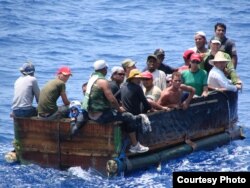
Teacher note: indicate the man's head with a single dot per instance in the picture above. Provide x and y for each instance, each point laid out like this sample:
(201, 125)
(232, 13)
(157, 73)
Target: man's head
(215, 45)
(84, 87)
(117, 74)
(200, 39)
(27, 69)
(160, 54)
(186, 56)
(147, 79)
(220, 60)
(152, 63)
(195, 60)
(176, 79)
(128, 65)
(64, 73)
(169, 80)
(134, 76)
(101, 66)
(220, 30)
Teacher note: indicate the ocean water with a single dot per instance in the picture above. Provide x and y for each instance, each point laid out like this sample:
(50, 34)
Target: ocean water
(76, 33)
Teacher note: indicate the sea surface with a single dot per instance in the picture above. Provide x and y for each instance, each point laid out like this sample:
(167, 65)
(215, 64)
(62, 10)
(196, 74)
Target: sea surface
(76, 33)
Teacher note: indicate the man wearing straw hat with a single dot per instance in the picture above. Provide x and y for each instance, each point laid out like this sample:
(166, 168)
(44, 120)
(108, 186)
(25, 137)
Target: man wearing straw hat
(216, 78)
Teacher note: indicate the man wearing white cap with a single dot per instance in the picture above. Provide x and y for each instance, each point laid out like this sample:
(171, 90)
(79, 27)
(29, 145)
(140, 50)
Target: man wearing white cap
(25, 89)
(102, 106)
(117, 78)
(214, 48)
(216, 77)
(200, 43)
(229, 70)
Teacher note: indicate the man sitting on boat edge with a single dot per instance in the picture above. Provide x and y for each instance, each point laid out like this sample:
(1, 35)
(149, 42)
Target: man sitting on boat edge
(172, 96)
(103, 107)
(47, 107)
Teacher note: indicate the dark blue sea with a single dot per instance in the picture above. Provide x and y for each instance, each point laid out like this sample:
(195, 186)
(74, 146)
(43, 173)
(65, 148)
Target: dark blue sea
(76, 33)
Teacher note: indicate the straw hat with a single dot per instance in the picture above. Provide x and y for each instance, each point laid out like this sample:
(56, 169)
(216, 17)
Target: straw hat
(219, 57)
(128, 63)
(134, 73)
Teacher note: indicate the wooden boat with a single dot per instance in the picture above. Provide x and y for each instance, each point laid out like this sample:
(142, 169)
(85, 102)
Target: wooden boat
(208, 122)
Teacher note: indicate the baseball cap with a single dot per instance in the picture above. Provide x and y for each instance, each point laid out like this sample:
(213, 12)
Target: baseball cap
(147, 74)
(128, 63)
(27, 68)
(159, 51)
(100, 64)
(65, 71)
(187, 54)
(216, 40)
(196, 57)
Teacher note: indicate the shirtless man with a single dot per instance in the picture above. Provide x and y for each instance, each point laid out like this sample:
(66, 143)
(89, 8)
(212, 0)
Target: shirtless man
(171, 96)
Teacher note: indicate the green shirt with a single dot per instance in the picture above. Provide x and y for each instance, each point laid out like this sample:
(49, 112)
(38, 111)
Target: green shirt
(49, 95)
(195, 79)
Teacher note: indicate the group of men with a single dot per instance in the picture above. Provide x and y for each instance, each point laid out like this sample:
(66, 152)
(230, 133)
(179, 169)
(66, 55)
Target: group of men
(123, 98)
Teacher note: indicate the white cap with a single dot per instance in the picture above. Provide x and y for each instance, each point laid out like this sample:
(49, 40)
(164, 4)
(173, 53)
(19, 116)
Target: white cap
(201, 33)
(75, 103)
(216, 40)
(115, 69)
(100, 64)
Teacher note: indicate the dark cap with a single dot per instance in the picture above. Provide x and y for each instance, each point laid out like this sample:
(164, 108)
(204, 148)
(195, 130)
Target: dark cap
(159, 51)
(152, 56)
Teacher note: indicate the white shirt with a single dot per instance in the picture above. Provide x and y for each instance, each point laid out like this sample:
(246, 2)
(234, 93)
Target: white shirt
(159, 79)
(25, 89)
(217, 79)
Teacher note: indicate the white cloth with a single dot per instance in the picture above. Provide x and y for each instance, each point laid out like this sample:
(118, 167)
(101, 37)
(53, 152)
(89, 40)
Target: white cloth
(159, 79)
(217, 79)
(25, 88)
(146, 124)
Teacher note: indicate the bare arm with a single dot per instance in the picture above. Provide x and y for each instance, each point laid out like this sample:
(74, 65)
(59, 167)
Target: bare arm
(65, 98)
(205, 91)
(104, 85)
(156, 106)
(191, 91)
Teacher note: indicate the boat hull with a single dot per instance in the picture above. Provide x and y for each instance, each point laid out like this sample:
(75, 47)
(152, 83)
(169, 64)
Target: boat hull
(209, 121)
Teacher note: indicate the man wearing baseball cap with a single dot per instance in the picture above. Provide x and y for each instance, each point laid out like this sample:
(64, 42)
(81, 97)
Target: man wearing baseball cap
(229, 70)
(128, 65)
(25, 89)
(160, 54)
(102, 106)
(47, 106)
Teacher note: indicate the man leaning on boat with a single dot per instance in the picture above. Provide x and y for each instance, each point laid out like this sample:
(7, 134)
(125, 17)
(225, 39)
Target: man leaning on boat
(103, 107)
(47, 107)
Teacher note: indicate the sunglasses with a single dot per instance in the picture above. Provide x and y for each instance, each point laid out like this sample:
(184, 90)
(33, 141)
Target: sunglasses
(120, 74)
